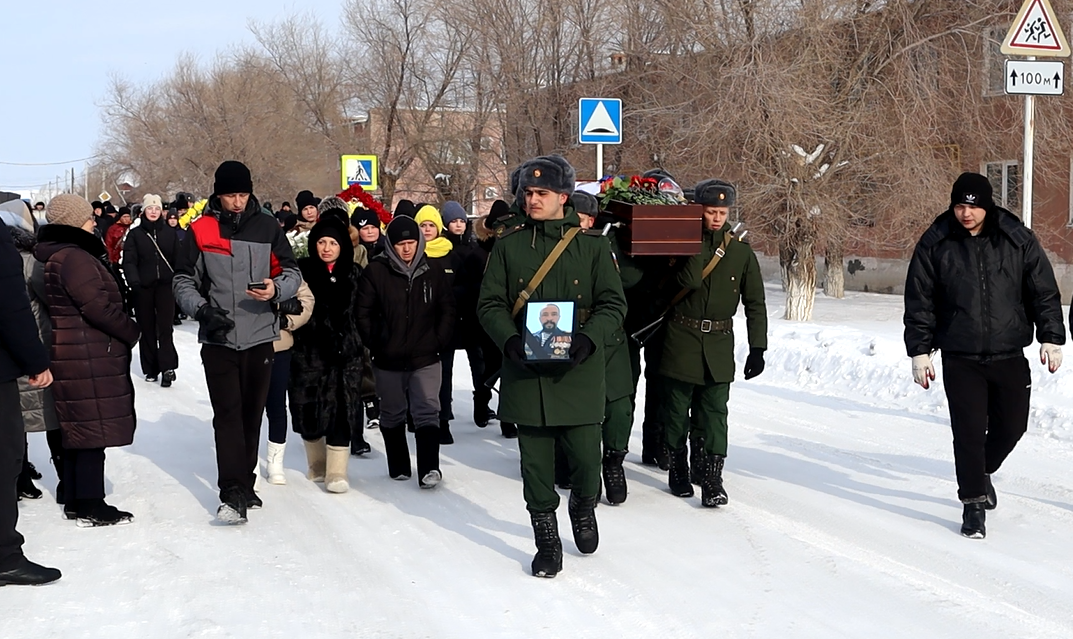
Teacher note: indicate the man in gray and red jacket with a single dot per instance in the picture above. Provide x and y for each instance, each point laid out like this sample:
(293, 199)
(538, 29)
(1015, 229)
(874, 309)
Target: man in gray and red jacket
(233, 265)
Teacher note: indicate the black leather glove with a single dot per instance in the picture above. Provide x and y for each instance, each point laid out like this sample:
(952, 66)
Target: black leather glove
(292, 306)
(215, 321)
(581, 348)
(514, 349)
(754, 364)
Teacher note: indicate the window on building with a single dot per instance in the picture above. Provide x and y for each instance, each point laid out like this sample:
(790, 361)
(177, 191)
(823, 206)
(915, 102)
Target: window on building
(994, 61)
(1005, 178)
(925, 62)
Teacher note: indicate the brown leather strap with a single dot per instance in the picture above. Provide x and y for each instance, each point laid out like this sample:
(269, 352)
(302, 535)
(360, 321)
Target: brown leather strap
(549, 262)
(719, 253)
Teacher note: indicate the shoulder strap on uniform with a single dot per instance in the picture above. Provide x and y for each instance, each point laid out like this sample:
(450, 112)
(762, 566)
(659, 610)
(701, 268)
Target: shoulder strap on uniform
(719, 253)
(549, 262)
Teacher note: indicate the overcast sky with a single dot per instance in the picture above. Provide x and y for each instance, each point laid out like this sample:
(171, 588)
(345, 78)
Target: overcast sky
(57, 57)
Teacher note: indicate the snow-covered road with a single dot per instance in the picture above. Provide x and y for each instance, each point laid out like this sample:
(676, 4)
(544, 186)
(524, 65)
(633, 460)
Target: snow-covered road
(842, 522)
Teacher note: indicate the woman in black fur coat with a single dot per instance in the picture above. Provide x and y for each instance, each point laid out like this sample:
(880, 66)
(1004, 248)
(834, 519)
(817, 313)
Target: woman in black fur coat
(325, 385)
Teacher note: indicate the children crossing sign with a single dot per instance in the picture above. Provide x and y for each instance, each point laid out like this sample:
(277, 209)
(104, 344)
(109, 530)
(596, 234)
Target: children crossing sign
(1036, 32)
(360, 169)
(599, 121)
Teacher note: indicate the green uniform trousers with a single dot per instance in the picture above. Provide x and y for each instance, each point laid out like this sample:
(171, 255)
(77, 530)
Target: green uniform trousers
(618, 422)
(709, 403)
(537, 447)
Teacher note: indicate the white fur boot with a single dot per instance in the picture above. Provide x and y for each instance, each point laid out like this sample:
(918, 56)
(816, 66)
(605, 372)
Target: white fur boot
(335, 479)
(274, 467)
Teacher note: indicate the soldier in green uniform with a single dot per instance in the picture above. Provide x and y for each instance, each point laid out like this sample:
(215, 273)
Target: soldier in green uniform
(697, 363)
(618, 409)
(561, 400)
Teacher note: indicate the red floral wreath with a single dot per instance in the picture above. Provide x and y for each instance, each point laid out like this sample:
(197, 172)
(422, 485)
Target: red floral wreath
(355, 192)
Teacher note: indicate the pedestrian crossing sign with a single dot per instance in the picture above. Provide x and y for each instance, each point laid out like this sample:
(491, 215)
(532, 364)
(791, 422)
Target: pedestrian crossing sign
(1036, 32)
(360, 169)
(599, 121)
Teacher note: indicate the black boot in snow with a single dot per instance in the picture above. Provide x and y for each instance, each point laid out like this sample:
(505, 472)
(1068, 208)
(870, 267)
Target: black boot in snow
(95, 512)
(992, 497)
(548, 561)
(397, 452)
(26, 487)
(167, 379)
(34, 474)
(614, 476)
(583, 521)
(696, 460)
(358, 445)
(678, 474)
(372, 412)
(232, 508)
(972, 520)
(446, 438)
(427, 441)
(711, 487)
(481, 413)
(509, 430)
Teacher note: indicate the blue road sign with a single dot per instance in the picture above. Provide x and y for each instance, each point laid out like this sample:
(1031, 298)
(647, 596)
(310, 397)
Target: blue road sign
(599, 121)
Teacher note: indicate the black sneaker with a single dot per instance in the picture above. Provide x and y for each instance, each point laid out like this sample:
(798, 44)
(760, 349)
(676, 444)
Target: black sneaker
(30, 468)
(232, 510)
(95, 512)
(253, 502)
(509, 430)
(151, 378)
(26, 487)
(360, 447)
(972, 520)
(169, 377)
(446, 438)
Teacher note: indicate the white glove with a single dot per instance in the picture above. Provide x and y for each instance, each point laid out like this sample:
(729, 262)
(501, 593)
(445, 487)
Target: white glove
(1051, 355)
(923, 370)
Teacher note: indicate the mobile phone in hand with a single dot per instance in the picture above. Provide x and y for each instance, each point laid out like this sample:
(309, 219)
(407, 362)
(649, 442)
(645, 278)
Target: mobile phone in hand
(256, 286)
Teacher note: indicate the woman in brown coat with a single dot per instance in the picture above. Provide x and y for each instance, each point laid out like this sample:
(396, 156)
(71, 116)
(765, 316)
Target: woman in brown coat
(91, 342)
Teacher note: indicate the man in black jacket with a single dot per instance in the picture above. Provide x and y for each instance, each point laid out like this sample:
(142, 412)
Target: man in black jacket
(150, 253)
(406, 314)
(21, 353)
(977, 284)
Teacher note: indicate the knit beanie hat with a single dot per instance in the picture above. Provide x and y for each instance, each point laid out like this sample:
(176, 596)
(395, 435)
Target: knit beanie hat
(151, 200)
(452, 211)
(330, 226)
(364, 217)
(972, 189)
(68, 209)
(405, 208)
(232, 177)
(403, 228)
(304, 199)
(429, 214)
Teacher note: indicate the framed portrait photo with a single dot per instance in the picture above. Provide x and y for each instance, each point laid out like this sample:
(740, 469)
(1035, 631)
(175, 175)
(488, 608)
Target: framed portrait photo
(548, 330)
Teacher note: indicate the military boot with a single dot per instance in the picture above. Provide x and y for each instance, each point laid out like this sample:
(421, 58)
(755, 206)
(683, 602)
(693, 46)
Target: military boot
(972, 520)
(549, 557)
(678, 474)
(696, 460)
(583, 520)
(614, 476)
(711, 487)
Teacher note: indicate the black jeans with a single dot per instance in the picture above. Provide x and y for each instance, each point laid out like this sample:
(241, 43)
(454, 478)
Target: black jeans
(12, 438)
(481, 393)
(83, 473)
(238, 387)
(988, 415)
(276, 406)
(155, 312)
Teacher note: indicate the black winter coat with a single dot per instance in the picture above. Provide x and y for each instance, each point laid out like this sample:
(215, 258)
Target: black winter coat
(405, 323)
(21, 350)
(467, 261)
(979, 297)
(143, 265)
(326, 359)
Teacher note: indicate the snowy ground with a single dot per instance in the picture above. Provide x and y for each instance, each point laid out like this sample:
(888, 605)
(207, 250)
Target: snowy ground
(843, 522)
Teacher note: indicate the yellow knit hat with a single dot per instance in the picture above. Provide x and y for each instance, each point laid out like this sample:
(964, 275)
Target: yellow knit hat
(428, 213)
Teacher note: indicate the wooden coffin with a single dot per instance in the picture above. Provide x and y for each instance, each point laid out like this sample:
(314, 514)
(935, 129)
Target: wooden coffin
(658, 229)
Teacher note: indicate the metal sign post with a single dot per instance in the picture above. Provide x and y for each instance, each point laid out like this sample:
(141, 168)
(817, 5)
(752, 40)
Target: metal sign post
(599, 123)
(599, 161)
(1035, 32)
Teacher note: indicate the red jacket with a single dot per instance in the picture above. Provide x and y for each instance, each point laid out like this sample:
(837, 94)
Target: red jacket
(113, 241)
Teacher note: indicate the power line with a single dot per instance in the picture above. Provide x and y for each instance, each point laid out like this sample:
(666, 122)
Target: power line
(92, 157)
